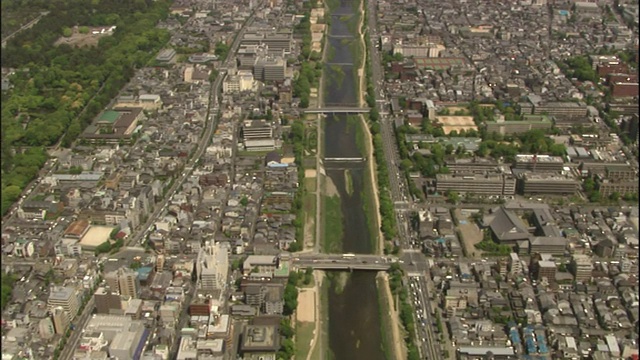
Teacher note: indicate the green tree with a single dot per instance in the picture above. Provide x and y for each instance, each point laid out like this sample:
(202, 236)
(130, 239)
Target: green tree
(67, 32)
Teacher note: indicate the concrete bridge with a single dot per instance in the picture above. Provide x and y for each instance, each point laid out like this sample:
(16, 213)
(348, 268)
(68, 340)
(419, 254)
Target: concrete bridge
(340, 64)
(341, 36)
(348, 262)
(337, 110)
(345, 159)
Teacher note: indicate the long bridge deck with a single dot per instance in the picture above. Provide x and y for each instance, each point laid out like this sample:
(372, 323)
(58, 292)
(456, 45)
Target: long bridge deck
(337, 110)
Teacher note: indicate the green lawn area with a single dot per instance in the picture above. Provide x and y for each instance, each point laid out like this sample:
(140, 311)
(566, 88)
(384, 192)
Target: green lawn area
(304, 334)
(333, 231)
(310, 184)
(385, 320)
(309, 209)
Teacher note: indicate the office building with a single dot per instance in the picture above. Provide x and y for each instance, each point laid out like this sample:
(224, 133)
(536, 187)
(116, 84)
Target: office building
(607, 187)
(107, 301)
(242, 81)
(560, 109)
(479, 184)
(65, 298)
(539, 163)
(270, 69)
(60, 320)
(538, 184)
(212, 267)
(123, 335)
(581, 267)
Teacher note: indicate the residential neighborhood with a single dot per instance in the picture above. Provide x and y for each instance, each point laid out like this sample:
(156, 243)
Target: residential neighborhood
(185, 220)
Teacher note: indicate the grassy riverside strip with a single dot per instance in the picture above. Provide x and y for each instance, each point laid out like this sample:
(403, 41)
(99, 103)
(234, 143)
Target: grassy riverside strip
(333, 226)
(386, 322)
(388, 225)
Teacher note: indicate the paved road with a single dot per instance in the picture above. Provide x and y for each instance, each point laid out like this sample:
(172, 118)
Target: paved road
(398, 187)
(24, 27)
(80, 322)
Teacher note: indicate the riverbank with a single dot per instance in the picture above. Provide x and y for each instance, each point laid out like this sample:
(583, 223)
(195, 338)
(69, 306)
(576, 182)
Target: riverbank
(390, 317)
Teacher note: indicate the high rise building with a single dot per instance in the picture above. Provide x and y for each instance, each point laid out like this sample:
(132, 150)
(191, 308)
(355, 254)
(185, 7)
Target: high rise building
(66, 299)
(107, 301)
(212, 267)
(125, 281)
(581, 267)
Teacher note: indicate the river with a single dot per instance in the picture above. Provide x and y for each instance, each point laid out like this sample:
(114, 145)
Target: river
(354, 320)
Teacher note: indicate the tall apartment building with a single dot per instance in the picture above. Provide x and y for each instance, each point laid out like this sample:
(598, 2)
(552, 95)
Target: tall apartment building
(125, 281)
(60, 320)
(212, 267)
(542, 266)
(581, 267)
(65, 298)
(515, 267)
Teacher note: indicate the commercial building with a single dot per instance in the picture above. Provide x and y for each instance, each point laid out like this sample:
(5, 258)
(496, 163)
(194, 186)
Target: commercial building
(107, 301)
(193, 348)
(260, 339)
(124, 335)
(212, 267)
(581, 267)
(537, 184)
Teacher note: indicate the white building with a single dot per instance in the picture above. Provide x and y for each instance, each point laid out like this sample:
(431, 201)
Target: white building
(212, 266)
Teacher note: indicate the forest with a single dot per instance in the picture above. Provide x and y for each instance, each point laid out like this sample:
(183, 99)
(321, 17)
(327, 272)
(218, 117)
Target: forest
(57, 90)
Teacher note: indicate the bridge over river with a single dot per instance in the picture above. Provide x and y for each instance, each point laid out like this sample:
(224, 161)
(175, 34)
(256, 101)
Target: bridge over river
(344, 262)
